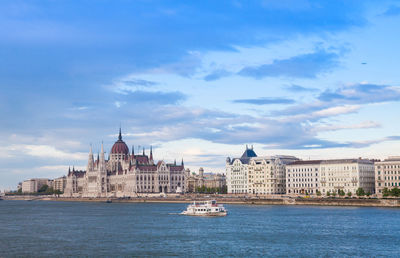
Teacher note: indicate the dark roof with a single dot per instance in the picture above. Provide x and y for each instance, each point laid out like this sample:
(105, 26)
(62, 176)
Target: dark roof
(120, 147)
(142, 159)
(175, 168)
(248, 153)
(80, 173)
(147, 167)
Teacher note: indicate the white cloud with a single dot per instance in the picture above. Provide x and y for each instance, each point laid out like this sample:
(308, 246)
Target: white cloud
(362, 125)
(41, 151)
(334, 111)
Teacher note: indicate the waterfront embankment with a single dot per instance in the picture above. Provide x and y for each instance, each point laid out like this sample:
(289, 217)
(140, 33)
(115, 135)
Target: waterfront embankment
(365, 202)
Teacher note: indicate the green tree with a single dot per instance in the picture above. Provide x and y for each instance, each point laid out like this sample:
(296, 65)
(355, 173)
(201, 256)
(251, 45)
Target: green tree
(334, 194)
(43, 188)
(349, 194)
(395, 192)
(342, 193)
(318, 193)
(328, 193)
(385, 192)
(360, 192)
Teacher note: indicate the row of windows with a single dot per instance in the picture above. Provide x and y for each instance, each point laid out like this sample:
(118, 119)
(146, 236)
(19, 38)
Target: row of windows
(389, 166)
(302, 179)
(389, 172)
(301, 175)
(162, 177)
(303, 185)
(310, 191)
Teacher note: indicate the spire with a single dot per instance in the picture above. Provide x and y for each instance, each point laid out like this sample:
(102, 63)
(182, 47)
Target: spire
(175, 162)
(69, 169)
(182, 162)
(102, 159)
(143, 151)
(151, 152)
(90, 160)
(102, 153)
(133, 150)
(73, 168)
(120, 135)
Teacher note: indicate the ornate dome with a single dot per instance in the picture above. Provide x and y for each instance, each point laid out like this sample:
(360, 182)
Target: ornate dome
(120, 146)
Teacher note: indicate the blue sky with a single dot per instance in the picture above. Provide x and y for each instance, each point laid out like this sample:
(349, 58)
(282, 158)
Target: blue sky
(197, 80)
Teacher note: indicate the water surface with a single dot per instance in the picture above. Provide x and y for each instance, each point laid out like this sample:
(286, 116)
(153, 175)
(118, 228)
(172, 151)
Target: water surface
(41, 228)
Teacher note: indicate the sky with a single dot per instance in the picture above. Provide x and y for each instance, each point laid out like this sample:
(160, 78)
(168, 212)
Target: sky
(197, 80)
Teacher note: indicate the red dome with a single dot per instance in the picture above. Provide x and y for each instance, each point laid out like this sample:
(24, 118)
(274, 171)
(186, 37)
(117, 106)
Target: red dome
(120, 147)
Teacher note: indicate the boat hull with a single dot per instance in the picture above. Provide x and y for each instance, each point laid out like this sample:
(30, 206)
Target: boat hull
(219, 214)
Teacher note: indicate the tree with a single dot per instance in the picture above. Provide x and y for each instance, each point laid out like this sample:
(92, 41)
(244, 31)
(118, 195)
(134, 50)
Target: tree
(385, 192)
(224, 189)
(360, 192)
(334, 194)
(328, 193)
(318, 193)
(342, 193)
(349, 194)
(43, 188)
(395, 192)
(58, 192)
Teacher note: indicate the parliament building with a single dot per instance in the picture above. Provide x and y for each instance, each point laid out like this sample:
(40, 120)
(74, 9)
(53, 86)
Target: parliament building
(125, 174)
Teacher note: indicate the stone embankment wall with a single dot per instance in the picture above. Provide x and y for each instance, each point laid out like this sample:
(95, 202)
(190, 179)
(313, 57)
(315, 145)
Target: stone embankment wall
(230, 200)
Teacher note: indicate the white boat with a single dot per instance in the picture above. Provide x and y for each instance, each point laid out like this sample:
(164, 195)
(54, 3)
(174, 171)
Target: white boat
(205, 208)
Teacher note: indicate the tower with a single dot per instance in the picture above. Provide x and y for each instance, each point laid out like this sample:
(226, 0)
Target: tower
(90, 165)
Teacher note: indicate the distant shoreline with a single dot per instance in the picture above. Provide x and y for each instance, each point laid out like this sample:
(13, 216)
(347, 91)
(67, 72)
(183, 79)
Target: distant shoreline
(361, 202)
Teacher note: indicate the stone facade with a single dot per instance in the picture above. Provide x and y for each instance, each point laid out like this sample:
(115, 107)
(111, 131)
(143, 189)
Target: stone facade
(257, 175)
(267, 175)
(33, 185)
(387, 174)
(60, 183)
(125, 174)
(208, 180)
(236, 172)
(307, 177)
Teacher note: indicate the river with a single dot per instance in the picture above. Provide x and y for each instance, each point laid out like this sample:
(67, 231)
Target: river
(46, 228)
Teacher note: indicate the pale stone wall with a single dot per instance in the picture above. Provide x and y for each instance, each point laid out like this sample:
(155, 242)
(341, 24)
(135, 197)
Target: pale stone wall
(307, 177)
(302, 179)
(236, 177)
(387, 174)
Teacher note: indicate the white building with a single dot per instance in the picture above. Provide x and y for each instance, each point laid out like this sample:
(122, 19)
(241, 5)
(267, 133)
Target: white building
(267, 175)
(308, 177)
(125, 175)
(257, 175)
(387, 174)
(60, 183)
(236, 172)
(303, 177)
(33, 185)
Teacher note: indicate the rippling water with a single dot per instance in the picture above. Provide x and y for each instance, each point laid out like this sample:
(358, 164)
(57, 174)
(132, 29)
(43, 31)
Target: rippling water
(41, 228)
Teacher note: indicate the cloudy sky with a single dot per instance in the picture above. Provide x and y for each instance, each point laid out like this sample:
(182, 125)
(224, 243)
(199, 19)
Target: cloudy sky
(198, 80)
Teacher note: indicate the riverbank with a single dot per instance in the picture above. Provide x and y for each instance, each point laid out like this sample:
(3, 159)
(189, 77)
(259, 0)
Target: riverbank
(363, 202)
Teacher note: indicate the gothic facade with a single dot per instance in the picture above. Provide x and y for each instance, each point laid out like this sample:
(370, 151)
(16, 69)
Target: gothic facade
(125, 174)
